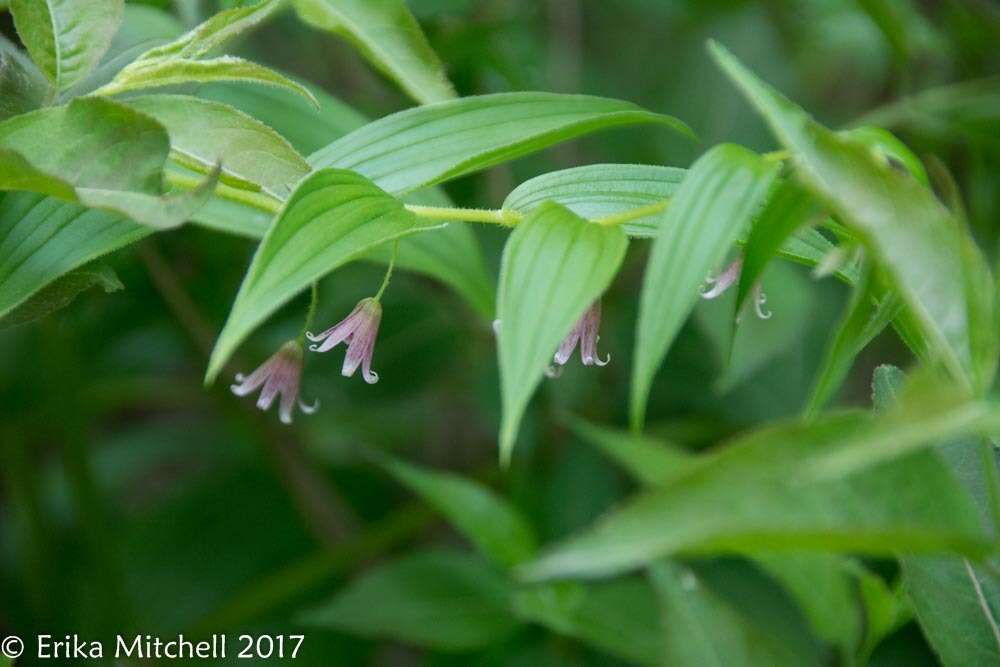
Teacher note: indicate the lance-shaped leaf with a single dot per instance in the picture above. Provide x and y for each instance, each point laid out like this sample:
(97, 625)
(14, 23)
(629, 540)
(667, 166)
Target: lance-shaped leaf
(97, 153)
(389, 37)
(66, 38)
(333, 217)
(427, 145)
(450, 255)
(42, 238)
(788, 209)
(599, 190)
(182, 60)
(207, 133)
(554, 266)
(823, 584)
(143, 28)
(488, 521)
(713, 206)
(22, 85)
(934, 265)
(62, 292)
(760, 493)
(444, 600)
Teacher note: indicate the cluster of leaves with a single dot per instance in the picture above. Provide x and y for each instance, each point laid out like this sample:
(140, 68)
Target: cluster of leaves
(91, 167)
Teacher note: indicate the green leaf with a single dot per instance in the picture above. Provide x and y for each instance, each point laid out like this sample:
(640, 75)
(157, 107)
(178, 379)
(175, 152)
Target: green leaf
(957, 603)
(599, 190)
(487, 520)
(42, 239)
(307, 129)
(649, 461)
(63, 292)
(554, 266)
(66, 38)
(619, 617)
(868, 314)
(428, 145)
(175, 71)
(182, 60)
(714, 204)
(788, 209)
(450, 255)
(698, 627)
(142, 29)
(23, 88)
(209, 133)
(386, 33)
(333, 217)
(760, 493)
(824, 585)
(914, 237)
(97, 153)
(443, 600)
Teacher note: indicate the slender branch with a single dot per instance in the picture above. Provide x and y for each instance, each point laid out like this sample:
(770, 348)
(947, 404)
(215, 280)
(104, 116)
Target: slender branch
(257, 200)
(504, 217)
(311, 313)
(388, 272)
(633, 214)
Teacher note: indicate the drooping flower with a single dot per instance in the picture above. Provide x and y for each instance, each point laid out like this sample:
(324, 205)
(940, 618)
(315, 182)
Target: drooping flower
(358, 330)
(280, 374)
(731, 275)
(586, 332)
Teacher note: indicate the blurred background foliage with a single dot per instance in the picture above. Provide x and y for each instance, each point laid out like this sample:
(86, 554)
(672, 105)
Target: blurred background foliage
(135, 501)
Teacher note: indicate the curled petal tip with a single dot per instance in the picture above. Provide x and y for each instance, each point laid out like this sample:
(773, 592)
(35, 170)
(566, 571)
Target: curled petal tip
(371, 377)
(308, 409)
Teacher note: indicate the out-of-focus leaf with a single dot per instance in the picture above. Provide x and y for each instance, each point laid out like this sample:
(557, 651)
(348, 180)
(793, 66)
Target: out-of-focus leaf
(333, 217)
(713, 205)
(619, 617)
(761, 492)
(142, 29)
(62, 292)
(42, 239)
(868, 314)
(445, 600)
(307, 128)
(488, 521)
(599, 190)
(97, 153)
(649, 461)
(789, 208)
(967, 110)
(389, 37)
(698, 627)
(890, 149)
(210, 133)
(933, 264)
(957, 603)
(182, 60)
(66, 38)
(824, 585)
(428, 145)
(554, 266)
(22, 86)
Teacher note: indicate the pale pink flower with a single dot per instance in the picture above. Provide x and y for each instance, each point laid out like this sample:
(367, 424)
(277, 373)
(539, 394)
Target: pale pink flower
(730, 276)
(358, 330)
(279, 375)
(585, 332)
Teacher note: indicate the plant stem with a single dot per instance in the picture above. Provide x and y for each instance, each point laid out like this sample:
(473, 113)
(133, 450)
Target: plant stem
(388, 272)
(257, 200)
(633, 214)
(311, 313)
(505, 217)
